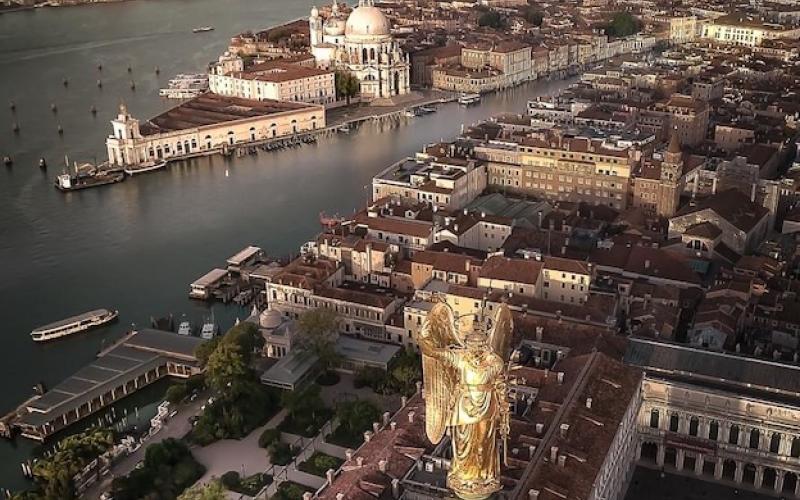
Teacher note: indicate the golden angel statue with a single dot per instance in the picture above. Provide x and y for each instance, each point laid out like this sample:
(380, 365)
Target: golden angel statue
(465, 380)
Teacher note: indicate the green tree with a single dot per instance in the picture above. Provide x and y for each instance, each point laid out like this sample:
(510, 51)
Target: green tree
(205, 349)
(532, 15)
(347, 85)
(357, 416)
(317, 332)
(623, 24)
(491, 19)
(226, 368)
(177, 393)
(53, 475)
(208, 491)
(303, 404)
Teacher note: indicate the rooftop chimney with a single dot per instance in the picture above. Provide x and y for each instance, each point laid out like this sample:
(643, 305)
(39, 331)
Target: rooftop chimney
(348, 454)
(562, 460)
(330, 476)
(647, 263)
(539, 428)
(360, 461)
(393, 425)
(411, 417)
(382, 465)
(564, 428)
(376, 427)
(533, 494)
(367, 437)
(307, 495)
(589, 403)
(386, 416)
(340, 496)
(395, 488)
(553, 453)
(539, 332)
(560, 376)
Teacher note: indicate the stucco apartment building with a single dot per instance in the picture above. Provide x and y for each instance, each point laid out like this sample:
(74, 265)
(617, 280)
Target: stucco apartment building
(445, 182)
(276, 80)
(740, 29)
(561, 168)
(486, 68)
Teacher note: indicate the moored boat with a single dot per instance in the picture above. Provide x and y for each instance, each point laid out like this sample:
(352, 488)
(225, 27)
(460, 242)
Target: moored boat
(145, 167)
(87, 178)
(74, 324)
(203, 29)
(469, 99)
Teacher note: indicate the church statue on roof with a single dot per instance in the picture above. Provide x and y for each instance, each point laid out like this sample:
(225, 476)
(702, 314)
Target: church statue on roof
(363, 45)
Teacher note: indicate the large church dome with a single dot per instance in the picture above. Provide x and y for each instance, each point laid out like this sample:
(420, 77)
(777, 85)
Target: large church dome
(367, 21)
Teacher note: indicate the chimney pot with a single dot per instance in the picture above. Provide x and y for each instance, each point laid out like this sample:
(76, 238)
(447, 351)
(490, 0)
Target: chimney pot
(553, 453)
(376, 427)
(359, 461)
(307, 495)
(560, 377)
(564, 428)
(330, 476)
(562, 460)
(386, 416)
(393, 425)
(367, 437)
(403, 401)
(348, 454)
(533, 494)
(396, 488)
(411, 417)
(340, 496)
(382, 465)
(539, 428)
(589, 403)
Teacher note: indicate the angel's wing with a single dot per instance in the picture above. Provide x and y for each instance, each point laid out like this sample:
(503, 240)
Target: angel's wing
(501, 332)
(439, 376)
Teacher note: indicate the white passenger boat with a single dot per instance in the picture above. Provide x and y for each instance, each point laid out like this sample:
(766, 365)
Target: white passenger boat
(469, 99)
(145, 167)
(203, 29)
(74, 324)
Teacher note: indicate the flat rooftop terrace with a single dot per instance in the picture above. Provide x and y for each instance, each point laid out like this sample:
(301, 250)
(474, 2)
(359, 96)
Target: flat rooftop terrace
(211, 109)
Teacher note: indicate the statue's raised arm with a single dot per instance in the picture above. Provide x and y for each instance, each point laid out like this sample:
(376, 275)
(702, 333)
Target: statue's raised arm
(440, 377)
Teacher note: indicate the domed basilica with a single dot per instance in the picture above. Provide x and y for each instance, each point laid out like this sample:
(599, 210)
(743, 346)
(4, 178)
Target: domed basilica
(363, 45)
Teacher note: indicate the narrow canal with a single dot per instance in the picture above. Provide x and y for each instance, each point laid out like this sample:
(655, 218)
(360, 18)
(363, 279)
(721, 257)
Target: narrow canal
(137, 246)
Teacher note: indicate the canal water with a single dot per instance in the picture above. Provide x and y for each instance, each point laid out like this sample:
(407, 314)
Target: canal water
(137, 246)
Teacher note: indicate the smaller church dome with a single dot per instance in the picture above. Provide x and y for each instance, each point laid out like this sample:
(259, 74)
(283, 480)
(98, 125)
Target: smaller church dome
(314, 11)
(334, 27)
(270, 319)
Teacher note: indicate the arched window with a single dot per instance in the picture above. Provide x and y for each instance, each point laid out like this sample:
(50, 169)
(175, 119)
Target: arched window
(363, 55)
(673, 422)
(775, 443)
(733, 437)
(208, 141)
(371, 54)
(654, 416)
(713, 430)
(755, 439)
(252, 133)
(795, 452)
(694, 426)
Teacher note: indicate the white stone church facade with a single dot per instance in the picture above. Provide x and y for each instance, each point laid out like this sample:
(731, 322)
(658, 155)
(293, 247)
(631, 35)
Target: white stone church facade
(362, 45)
